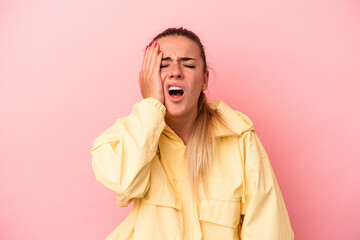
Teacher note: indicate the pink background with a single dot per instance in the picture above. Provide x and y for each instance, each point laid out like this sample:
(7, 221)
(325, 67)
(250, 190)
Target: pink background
(69, 68)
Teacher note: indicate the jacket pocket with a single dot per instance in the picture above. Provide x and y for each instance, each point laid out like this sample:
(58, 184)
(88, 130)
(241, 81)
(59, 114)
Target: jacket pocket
(160, 192)
(161, 195)
(160, 217)
(220, 212)
(160, 214)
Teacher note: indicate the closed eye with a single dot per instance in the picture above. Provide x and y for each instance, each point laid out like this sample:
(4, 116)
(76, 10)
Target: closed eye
(189, 66)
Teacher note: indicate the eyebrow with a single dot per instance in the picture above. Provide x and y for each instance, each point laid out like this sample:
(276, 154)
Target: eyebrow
(182, 59)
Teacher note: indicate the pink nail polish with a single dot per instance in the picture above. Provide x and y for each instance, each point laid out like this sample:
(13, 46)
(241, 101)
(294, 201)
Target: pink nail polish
(151, 43)
(159, 52)
(155, 44)
(146, 47)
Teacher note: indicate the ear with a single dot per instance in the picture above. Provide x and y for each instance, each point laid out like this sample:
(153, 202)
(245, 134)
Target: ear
(206, 80)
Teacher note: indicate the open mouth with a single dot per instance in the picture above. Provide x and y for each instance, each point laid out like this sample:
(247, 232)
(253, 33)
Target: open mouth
(176, 91)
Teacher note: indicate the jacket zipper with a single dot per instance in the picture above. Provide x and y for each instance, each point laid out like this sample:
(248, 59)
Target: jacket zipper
(187, 201)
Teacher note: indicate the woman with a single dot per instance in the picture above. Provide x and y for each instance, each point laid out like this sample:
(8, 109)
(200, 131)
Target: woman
(194, 170)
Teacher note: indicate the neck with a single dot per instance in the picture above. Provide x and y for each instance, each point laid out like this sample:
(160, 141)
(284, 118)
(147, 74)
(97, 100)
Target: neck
(182, 125)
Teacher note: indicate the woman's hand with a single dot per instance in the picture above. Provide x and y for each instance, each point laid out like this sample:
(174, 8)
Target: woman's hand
(150, 82)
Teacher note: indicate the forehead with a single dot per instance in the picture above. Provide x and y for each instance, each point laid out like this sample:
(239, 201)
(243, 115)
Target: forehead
(179, 46)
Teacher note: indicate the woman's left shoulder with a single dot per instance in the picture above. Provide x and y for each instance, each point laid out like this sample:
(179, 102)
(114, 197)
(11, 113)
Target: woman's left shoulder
(237, 121)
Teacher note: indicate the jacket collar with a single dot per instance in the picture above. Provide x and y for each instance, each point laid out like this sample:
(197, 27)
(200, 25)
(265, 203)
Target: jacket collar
(235, 120)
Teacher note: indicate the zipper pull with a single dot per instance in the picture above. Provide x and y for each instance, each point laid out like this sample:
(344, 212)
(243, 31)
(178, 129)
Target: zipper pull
(243, 197)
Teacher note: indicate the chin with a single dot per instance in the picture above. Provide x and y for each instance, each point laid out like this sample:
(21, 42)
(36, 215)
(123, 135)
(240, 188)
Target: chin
(181, 109)
(173, 110)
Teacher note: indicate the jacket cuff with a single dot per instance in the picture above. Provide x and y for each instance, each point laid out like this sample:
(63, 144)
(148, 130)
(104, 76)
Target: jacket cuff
(156, 103)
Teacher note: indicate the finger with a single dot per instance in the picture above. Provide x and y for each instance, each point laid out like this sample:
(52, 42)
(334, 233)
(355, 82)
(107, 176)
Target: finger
(148, 56)
(158, 61)
(153, 57)
(139, 81)
(144, 58)
(158, 64)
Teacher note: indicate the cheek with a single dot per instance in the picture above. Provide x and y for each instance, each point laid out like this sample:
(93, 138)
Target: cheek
(196, 88)
(199, 82)
(163, 75)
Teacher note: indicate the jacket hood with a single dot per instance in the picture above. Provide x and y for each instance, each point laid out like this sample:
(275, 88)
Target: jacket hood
(236, 124)
(236, 121)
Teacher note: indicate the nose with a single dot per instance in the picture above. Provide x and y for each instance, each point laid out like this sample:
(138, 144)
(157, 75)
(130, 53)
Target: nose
(176, 72)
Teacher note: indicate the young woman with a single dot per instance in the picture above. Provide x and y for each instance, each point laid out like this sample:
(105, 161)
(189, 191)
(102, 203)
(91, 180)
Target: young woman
(193, 170)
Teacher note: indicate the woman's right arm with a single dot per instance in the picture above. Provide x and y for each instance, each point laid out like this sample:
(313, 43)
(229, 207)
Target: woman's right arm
(122, 153)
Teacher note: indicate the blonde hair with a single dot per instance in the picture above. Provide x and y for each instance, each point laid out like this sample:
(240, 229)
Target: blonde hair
(201, 146)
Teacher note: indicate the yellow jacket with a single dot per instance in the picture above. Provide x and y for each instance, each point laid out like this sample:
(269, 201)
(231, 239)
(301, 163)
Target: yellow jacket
(141, 159)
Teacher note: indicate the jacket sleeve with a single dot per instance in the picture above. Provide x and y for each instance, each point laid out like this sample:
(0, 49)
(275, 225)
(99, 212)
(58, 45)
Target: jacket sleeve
(121, 155)
(265, 216)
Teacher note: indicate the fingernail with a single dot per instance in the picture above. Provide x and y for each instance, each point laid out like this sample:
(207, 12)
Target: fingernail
(146, 47)
(151, 43)
(159, 52)
(155, 44)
